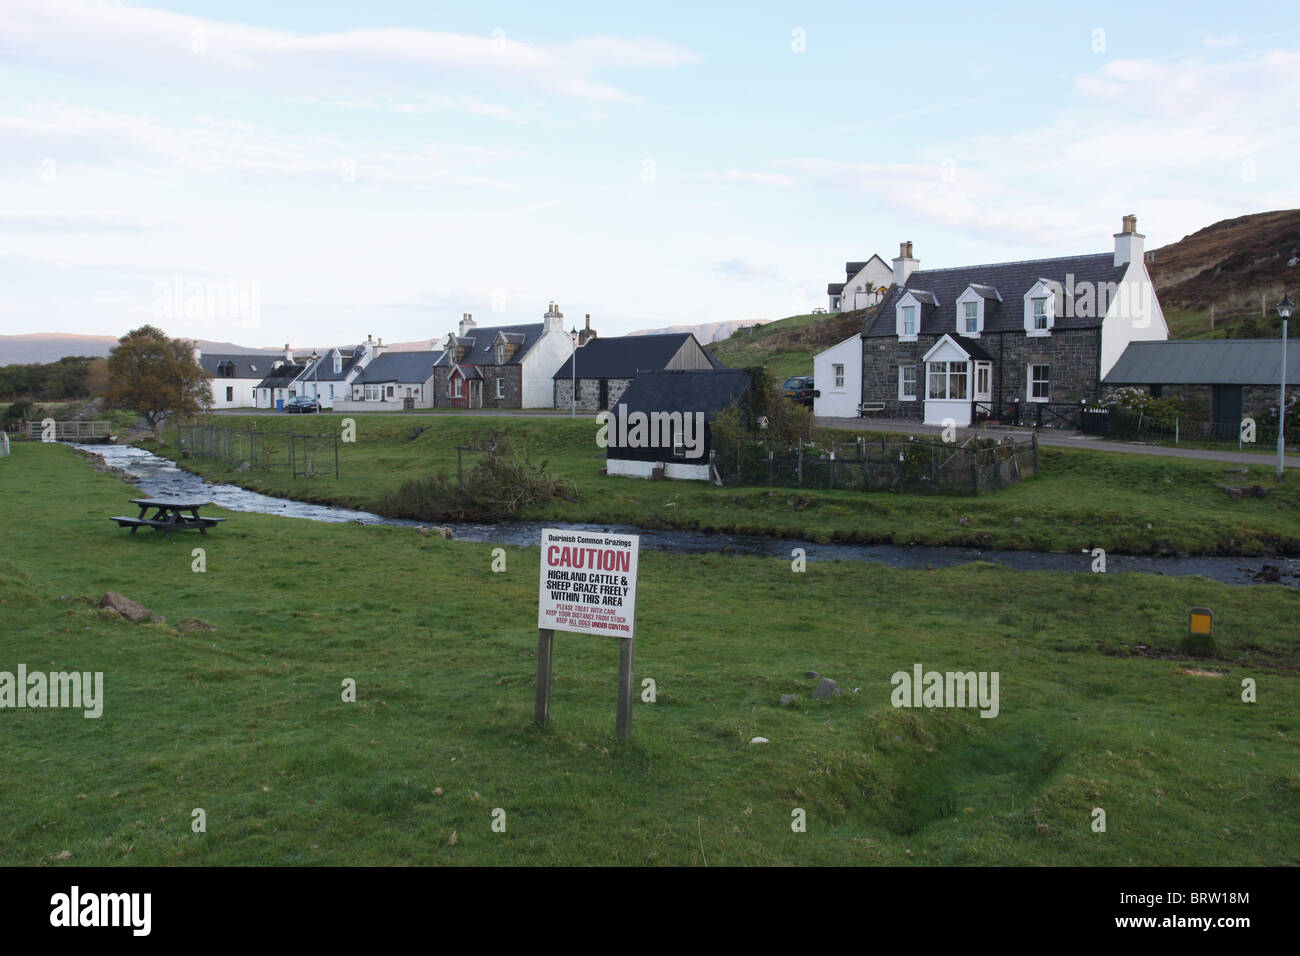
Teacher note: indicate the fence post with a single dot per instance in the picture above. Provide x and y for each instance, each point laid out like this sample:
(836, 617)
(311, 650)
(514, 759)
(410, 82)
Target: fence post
(799, 463)
(1175, 430)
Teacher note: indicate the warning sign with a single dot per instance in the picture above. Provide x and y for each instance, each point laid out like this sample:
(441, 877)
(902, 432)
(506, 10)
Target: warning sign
(588, 582)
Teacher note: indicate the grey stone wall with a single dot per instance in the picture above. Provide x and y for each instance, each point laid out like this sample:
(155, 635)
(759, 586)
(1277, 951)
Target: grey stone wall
(1074, 357)
(588, 393)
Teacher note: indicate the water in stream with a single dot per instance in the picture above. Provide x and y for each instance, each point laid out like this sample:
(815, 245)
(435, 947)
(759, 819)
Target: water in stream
(160, 477)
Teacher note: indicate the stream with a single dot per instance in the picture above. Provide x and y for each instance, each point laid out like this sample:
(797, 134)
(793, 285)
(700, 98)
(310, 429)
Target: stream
(159, 477)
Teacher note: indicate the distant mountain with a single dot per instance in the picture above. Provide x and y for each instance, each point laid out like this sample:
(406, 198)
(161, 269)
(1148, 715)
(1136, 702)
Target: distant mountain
(706, 332)
(52, 346)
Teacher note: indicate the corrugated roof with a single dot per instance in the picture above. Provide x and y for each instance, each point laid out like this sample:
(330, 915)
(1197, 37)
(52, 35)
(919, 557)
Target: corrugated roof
(399, 367)
(1206, 362)
(1012, 280)
(624, 356)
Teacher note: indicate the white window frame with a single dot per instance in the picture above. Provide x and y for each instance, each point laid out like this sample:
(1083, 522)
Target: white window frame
(1043, 289)
(985, 394)
(460, 389)
(501, 356)
(906, 316)
(837, 374)
(903, 395)
(501, 387)
(338, 363)
(1029, 381)
(949, 373)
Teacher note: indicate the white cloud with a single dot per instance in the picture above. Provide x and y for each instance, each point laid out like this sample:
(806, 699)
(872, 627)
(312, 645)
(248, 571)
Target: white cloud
(185, 50)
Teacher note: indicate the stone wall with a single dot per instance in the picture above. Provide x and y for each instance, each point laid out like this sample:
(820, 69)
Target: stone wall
(1073, 354)
(589, 393)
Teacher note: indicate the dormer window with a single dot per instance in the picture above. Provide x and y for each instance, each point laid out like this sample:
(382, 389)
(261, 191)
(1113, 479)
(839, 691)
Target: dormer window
(338, 363)
(909, 320)
(226, 369)
(1040, 307)
(501, 356)
(970, 318)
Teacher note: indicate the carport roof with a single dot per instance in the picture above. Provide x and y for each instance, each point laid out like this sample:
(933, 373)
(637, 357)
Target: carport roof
(1207, 362)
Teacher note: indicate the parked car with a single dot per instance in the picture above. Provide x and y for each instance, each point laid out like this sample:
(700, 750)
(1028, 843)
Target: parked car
(302, 403)
(800, 389)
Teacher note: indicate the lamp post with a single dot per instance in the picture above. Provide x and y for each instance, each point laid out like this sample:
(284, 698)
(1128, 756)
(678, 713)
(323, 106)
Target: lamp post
(315, 371)
(573, 388)
(1284, 310)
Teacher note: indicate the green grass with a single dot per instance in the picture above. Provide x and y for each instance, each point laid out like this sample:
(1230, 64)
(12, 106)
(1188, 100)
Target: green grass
(1081, 498)
(246, 721)
(787, 346)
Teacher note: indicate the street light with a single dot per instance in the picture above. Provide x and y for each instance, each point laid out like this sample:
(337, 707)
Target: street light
(1284, 310)
(315, 371)
(573, 388)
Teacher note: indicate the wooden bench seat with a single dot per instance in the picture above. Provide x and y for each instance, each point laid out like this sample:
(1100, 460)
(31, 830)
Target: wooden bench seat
(871, 408)
(166, 526)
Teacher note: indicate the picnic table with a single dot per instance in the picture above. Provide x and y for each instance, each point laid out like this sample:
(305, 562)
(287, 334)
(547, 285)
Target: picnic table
(170, 514)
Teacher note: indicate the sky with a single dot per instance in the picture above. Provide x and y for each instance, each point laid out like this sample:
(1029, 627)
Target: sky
(315, 172)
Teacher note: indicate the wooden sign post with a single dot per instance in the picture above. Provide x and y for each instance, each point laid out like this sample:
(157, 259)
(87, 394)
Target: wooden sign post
(587, 586)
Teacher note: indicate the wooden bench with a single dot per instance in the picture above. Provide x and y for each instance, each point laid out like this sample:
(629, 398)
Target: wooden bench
(166, 527)
(871, 408)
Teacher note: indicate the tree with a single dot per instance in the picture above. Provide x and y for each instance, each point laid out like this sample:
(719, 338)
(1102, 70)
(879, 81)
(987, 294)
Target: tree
(157, 377)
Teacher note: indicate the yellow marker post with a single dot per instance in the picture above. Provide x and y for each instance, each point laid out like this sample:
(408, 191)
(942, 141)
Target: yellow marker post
(1200, 620)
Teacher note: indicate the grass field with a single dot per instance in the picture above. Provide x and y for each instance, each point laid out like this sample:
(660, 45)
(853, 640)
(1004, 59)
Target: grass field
(1125, 503)
(246, 721)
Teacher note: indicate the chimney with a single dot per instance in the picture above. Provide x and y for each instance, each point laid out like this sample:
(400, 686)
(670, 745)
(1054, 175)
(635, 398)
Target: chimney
(554, 319)
(587, 333)
(288, 354)
(904, 265)
(466, 322)
(1128, 242)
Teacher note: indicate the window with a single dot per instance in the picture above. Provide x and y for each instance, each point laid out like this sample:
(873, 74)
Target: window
(230, 394)
(390, 391)
(226, 370)
(331, 391)
(839, 376)
(679, 446)
(501, 357)
(372, 393)
(972, 318)
(909, 320)
(907, 383)
(948, 380)
(1040, 314)
(501, 388)
(458, 388)
(338, 363)
(1040, 383)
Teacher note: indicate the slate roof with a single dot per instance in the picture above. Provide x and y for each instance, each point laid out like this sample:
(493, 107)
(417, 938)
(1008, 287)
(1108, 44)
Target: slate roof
(245, 366)
(326, 373)
(835, 288)
(1012, 280)
(1205, 362)
(624, 356)
(281, 377)
(685, 391)
(971, 347)
(399, 367)
(482, 350)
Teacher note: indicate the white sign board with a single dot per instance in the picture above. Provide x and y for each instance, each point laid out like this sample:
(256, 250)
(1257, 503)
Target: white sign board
(588, 583)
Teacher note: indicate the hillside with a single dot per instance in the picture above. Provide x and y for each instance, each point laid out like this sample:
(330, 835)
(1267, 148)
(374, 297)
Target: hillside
(1238, 267)
(787, 346)
(52, 346)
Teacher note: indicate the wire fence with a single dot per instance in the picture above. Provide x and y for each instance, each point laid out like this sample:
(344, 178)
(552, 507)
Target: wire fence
(1125, 424)
(972, 466)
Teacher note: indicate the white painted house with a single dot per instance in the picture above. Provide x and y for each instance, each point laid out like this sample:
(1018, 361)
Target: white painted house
(234, 377)
(331, 375)
(864, 284)
(837, 378)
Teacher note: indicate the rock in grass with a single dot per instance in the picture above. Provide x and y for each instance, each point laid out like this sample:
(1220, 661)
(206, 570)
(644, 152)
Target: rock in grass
(759, 740)
(811, 675)
(131, 610)
(827, 688)
(788, 699)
